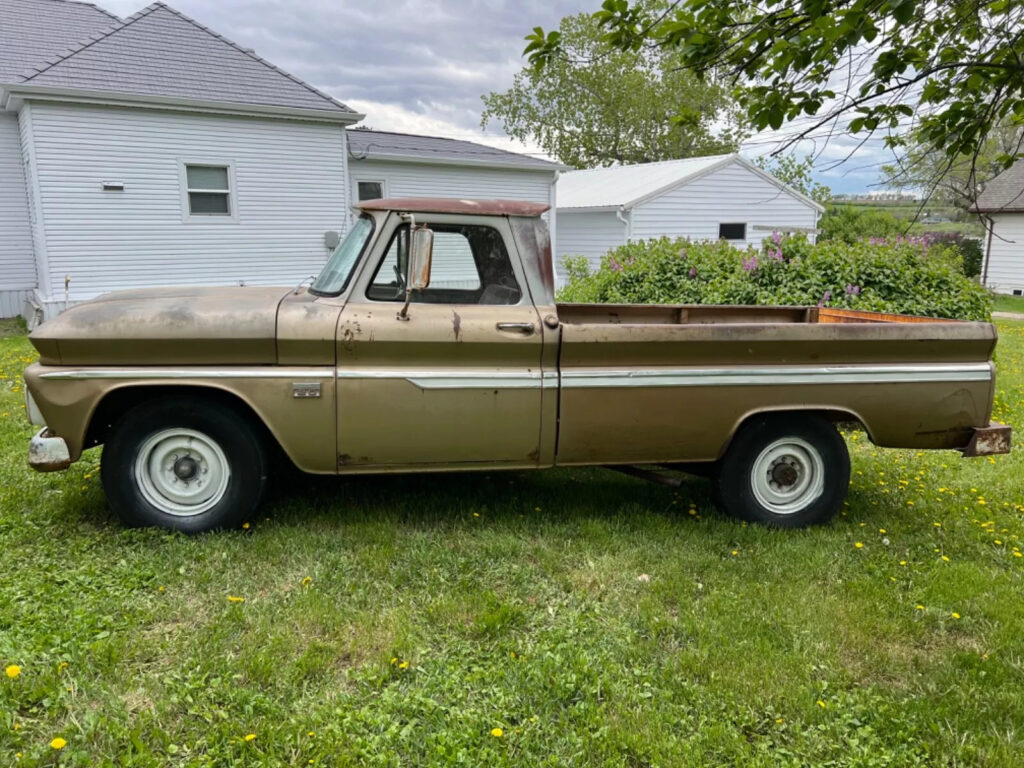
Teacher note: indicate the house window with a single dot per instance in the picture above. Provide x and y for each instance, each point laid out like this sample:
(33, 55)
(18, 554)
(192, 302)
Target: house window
(370, 190)
(209, 190)
(732, 231)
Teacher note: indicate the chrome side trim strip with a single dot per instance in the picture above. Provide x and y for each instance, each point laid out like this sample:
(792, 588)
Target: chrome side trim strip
(196, 373)
(747, 376)
(456, 379)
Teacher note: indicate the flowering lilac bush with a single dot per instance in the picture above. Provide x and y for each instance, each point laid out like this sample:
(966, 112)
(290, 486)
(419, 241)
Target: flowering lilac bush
(912, 275)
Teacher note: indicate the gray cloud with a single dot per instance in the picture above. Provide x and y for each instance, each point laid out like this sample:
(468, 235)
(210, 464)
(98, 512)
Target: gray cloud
(433, 59)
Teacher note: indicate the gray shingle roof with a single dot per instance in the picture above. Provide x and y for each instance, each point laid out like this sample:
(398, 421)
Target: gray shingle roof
(31, 30)
(161, 52)
(384, 145)
(1004, 193)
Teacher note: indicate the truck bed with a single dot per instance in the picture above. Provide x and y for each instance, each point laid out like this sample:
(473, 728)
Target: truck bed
(642, 382)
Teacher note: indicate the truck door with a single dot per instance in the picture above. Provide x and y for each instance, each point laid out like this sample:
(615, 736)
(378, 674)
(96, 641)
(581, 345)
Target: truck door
(457, 383)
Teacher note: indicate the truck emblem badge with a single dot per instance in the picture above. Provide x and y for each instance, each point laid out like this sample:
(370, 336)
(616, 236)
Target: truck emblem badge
(305, 389)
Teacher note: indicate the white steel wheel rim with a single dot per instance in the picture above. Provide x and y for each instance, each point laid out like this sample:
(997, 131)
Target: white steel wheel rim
(788, 476)
(182, 472)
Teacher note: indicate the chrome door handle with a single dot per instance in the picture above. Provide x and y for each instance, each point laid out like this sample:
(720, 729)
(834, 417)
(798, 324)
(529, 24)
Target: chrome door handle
(524, 328)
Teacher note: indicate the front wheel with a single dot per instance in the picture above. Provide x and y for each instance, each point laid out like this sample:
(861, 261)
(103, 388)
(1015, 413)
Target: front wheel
(785, 469)
(184, 464)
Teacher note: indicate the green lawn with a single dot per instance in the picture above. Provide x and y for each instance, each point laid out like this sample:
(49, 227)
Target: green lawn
(594, 619)
(1009, 304)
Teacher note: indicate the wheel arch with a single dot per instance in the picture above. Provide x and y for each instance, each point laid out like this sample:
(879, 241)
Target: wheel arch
(836, 415)
(125, 396)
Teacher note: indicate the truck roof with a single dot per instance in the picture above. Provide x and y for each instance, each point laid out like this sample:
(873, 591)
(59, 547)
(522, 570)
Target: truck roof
(452, 205)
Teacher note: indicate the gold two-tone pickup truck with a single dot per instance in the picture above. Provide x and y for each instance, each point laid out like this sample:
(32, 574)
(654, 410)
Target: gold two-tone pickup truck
(432, 341)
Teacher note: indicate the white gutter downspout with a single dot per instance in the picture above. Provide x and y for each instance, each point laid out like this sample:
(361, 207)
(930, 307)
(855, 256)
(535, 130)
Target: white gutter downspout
(626, 219)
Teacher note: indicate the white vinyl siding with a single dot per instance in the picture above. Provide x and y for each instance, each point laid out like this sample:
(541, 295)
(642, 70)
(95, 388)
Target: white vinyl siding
(591, 234)
(450, 267)
(1006, 253)
(731, 194)
(17, 263)
(288, 188)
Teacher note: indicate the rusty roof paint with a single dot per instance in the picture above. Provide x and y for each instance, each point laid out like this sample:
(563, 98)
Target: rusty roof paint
(452, 205)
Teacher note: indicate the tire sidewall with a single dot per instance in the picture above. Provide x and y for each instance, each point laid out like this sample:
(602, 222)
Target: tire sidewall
(242, 449)
(733, 484)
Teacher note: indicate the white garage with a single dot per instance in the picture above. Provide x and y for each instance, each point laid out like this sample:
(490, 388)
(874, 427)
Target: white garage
(701, 198)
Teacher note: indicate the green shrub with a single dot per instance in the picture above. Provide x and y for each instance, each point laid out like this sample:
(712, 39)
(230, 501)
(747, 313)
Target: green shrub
(851, 224)
(969, 249)
(907, 276)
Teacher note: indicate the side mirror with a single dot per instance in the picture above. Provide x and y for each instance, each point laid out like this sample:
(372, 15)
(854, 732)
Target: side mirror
(421, 250)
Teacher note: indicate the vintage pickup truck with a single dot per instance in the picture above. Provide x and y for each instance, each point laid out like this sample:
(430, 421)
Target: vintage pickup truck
(431, 341)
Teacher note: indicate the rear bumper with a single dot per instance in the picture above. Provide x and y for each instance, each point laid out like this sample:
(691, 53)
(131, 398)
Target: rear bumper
(986, 441)
(48, 453)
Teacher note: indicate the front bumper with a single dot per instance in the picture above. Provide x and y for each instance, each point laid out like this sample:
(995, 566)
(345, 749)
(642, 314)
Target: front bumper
(986, 441)
(48, 453)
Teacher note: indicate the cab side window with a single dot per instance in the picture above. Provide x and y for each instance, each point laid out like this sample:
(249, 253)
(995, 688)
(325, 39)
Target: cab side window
(470, 265)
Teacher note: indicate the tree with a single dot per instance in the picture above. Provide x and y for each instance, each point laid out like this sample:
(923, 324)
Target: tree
(957, 182)
(796, 174)
(604, 105)
(952, 69)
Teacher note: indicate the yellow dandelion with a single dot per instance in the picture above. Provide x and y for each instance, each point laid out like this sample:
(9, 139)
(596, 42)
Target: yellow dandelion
(903, 562)
(16, 727)
(955, 615)
(234, 599)
(821, 703)
(307, 581)
(919, 607)
(245, 527)
(1017, 554)
(945, 558)
(881, 530)
(58, 743)
(476, 514)
(937, 525)
(404, 665)
(497, 733)
(859, 545)
(779, 720)
(735, 552)
(13, 671)
(250, 736)
(311, 733)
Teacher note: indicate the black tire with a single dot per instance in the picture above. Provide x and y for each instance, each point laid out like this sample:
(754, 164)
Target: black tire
(805, 466)
(213, 451)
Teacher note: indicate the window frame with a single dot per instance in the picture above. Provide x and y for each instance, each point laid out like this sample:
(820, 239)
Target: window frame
(743, 224)
(231, 217)
(369, 180)
(376, 262)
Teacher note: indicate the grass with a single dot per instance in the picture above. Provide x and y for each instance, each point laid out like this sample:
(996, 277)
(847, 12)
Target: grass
(594, 619)
(1006, 303)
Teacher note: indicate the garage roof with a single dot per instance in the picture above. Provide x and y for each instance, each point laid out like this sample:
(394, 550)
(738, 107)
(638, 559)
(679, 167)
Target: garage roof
(1004, 193)
(623, 186)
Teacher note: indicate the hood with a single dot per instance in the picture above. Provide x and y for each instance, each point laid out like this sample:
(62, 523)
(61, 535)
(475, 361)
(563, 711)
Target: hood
(161, 326)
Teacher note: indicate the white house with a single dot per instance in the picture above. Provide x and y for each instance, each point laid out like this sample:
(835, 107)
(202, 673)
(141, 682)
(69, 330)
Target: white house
(1001, 205)
(153, 151)
(702, 198)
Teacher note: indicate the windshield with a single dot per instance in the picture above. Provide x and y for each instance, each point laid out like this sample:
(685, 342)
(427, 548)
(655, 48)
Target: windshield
(336, 272)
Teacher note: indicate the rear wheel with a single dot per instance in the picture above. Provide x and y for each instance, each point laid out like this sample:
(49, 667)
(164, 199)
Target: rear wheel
(184, 464)
(786, 469)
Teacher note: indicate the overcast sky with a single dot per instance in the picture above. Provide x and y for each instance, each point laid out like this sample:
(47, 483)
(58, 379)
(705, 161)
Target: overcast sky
(419, 66)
